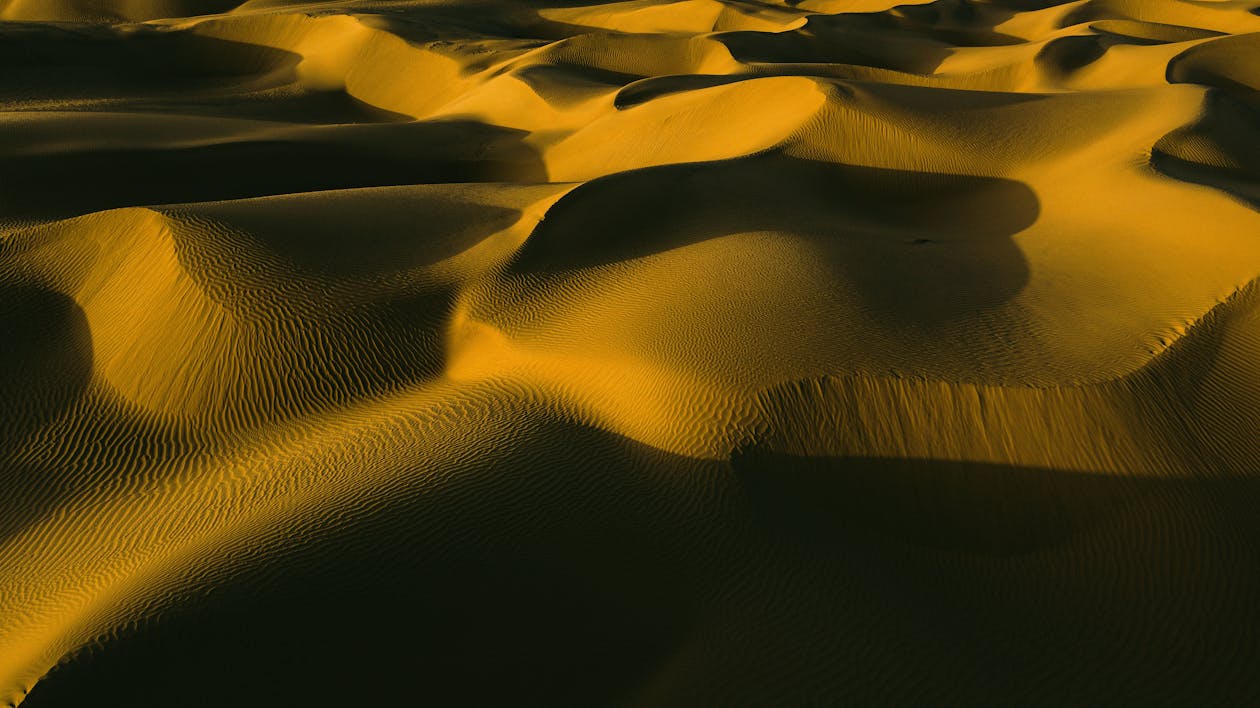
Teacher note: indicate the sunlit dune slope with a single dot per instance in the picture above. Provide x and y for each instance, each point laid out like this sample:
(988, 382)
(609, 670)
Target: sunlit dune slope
(709, 352)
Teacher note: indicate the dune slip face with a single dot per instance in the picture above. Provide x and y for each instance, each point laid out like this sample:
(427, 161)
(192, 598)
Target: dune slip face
(646, 352)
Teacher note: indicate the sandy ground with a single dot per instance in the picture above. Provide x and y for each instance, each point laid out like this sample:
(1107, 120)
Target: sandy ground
(708, 352)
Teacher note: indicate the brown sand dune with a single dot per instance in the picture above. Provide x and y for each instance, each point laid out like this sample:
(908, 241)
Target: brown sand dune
(709, 352)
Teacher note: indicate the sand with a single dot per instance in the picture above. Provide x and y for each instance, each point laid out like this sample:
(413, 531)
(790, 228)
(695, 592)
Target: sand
(708, 352)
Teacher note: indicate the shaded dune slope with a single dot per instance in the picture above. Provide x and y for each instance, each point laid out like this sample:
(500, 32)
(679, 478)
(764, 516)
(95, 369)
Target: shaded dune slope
(649, 353)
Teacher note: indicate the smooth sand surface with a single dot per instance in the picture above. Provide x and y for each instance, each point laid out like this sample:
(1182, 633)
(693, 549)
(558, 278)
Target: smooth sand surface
(707, 352)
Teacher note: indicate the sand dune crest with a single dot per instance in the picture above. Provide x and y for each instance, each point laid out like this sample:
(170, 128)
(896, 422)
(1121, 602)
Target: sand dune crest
(637, 352)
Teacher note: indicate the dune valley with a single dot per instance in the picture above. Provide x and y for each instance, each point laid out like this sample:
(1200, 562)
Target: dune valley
(646, 352)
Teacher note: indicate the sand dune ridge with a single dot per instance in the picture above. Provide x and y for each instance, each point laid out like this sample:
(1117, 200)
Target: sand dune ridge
(638, 352)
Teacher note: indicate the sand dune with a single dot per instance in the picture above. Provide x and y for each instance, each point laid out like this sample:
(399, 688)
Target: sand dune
(655, 353)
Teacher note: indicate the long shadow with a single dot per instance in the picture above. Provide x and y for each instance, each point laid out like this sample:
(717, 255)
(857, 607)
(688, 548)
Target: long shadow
(46, 361)
(58, 185)
(832, 41)
(45, 368)
(917, 38)
(911, 38)
(918, 246)
(581, 565)
(963, 507)
(47, 61)
(505, 588)
(136, 72)
(1228, 123)
(54, 180)
(125, 11)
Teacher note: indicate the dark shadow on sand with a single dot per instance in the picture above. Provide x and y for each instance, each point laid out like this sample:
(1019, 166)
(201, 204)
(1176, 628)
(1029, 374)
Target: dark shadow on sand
(919, 247)
(67, 184)
(580, 572)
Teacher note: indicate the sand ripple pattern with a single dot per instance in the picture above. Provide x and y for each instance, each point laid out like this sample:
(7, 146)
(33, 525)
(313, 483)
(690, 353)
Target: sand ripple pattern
(704, 352)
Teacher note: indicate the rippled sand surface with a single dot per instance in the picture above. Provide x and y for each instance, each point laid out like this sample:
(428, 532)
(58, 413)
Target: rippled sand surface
(709, 352)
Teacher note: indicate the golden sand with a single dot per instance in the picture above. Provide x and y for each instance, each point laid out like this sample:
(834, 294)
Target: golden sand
(705, 352)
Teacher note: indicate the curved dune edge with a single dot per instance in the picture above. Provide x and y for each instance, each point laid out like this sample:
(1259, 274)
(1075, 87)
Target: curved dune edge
(1121, 408)
(749, 117)
(1150, 422)
(974, 424)
(738, 319)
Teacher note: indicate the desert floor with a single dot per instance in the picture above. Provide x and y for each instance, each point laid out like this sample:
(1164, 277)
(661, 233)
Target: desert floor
(706, 352)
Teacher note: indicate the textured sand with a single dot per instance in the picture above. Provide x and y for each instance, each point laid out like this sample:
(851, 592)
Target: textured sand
(710, 352)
